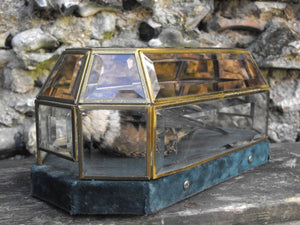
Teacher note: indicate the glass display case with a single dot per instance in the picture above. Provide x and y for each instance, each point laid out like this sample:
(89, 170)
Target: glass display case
(149, 115)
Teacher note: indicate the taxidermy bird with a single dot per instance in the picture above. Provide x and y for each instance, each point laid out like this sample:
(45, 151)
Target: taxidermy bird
(114, 132)
(121, 133)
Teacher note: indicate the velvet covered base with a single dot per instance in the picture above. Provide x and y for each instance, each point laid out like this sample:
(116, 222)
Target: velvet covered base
(77, 196)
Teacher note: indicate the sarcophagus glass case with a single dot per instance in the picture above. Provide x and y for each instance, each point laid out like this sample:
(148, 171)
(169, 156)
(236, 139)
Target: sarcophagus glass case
(150, 115)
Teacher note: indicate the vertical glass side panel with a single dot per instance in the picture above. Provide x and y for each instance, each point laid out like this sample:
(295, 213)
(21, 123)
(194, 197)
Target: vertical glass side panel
(191, 133)
(113, 77)
(64, 80)
(181, 74)
(114, 143)
(55, 130)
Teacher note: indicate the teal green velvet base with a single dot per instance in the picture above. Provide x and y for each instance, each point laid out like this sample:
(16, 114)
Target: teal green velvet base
(61, 188)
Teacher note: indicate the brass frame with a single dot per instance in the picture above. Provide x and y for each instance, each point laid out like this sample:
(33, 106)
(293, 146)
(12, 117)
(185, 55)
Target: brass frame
(149, 103)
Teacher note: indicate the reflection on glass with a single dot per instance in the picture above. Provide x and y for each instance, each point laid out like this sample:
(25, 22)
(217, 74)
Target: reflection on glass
(152, 75)
(55, 130)
(113, 77)
(166, 71)
(64, 80)
(114, 142)
(231, 69)
(197, 89)
(69, 167)
(181, 74)
(201, 69)
(191, 133)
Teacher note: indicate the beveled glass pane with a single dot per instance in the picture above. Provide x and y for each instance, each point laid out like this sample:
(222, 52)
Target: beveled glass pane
(181, 74)
(231, 69)
(201, 69)
(114, 142)
(64, 80)
(223, 86)
(149, 66)
(197, 89)
(55, 130)
(166, 71)
(113, 77)
(192, 133)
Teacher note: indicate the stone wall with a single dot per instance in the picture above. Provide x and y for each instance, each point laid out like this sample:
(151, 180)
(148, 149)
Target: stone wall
(33, 33)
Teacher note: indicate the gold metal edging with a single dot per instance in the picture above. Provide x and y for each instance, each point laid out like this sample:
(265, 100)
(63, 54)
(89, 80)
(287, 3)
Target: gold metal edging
(150, 142)
(147, 77)
(268, 113)
(192, 50)
(257, 69)
(54, 99)
(114, 104)
(83, 75)
(74, 133)
(77, 50)
(143, 77)
(113, 51)
(38, 152)
(157, 50)
(54, 104)
(120, 178)
(208, 159)
(211, 96)
(116, 101)
(153, 150)
(110, 106)
(58, 154)
(80, 144)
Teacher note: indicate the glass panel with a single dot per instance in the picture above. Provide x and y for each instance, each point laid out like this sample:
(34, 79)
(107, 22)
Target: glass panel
(166, 71)
(67, 167)
(192, 133)
(114, 77)
(64, 80)
(181, 74)
(201, 69)
(114, 142)
(152, 75)
(55, 130)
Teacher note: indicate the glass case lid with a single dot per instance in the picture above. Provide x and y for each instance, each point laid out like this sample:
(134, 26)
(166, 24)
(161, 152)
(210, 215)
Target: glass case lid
(185, 73)
(143, 76)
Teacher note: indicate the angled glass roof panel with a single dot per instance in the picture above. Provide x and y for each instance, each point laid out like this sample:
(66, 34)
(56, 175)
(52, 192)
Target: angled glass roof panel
(64, 80)
(183, 74)
(113, 78)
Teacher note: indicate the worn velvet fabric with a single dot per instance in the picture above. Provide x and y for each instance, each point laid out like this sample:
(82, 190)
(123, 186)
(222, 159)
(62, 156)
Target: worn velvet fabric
(66, 191)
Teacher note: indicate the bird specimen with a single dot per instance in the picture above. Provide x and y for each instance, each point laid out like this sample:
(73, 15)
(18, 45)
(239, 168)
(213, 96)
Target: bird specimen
(122, 133)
